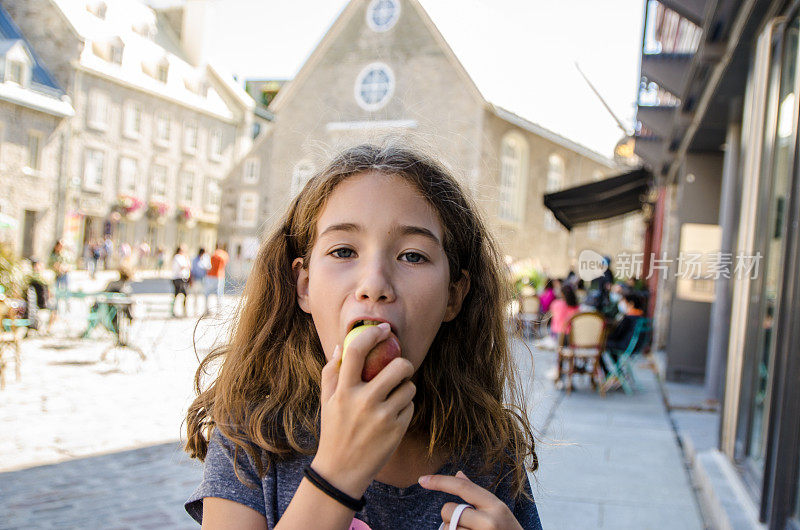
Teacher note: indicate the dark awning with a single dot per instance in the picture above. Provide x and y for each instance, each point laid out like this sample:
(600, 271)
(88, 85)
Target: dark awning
(600, 200)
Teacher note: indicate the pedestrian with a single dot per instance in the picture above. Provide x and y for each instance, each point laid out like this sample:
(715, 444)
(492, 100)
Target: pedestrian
(381, 234)
(59, 263)
(181, 272)
(108, 251)
(547, 296)
(94, 257)
(126, 256)
(215, 280)
(143, 251)
(199, 269)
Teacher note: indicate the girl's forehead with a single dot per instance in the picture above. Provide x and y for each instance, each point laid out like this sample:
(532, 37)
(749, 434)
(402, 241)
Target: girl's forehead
(378, 199)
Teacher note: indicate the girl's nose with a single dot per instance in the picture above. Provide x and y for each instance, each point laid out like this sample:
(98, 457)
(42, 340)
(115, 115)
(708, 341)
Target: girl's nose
(375, 284)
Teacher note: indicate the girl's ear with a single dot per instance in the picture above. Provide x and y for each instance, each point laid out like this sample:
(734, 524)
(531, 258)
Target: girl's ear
(301, 283)
(457, 292)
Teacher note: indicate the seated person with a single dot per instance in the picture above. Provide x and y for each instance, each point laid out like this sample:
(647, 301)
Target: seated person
(561, 310)
(38, 295)
(121, 285)
(631, 308)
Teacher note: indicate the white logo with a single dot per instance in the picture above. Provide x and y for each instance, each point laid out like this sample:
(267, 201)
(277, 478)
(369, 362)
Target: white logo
(591, 265)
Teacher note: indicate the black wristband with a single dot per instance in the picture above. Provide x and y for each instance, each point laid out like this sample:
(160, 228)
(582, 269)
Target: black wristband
(350, 502)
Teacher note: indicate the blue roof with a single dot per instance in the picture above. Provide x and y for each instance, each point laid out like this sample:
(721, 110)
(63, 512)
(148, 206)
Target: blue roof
(9, 34)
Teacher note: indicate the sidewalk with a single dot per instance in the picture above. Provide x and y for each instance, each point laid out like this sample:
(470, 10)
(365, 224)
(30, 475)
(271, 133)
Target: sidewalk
(609, 462)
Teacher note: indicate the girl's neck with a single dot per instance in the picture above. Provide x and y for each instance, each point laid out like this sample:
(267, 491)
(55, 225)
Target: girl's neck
(409, 461)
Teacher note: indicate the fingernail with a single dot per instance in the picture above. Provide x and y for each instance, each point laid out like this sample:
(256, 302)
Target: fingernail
(461, 474)
(424, 479)
(384, 326)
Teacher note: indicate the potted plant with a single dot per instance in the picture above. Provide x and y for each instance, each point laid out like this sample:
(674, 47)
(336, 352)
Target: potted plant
(157, 211)
(129, 207)
(185, 215)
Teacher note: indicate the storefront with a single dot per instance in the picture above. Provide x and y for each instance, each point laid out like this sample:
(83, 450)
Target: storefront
(721, 83)
(760, 427)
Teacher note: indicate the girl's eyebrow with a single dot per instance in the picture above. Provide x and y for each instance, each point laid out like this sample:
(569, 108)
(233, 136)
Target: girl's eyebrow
(402, 229)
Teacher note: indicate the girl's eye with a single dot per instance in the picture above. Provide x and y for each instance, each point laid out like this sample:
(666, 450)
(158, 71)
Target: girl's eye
(343, 253)
(414, 257)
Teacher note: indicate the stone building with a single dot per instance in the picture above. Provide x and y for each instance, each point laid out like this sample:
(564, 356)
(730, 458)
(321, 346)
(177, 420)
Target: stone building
(156, 127)
(33, 108)
(383, 69)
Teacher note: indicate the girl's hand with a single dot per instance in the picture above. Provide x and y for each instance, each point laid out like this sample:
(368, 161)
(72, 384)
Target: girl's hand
(489, 512)
(362, 423)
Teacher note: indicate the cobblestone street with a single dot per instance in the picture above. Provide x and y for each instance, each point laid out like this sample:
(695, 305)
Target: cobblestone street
(95, 444)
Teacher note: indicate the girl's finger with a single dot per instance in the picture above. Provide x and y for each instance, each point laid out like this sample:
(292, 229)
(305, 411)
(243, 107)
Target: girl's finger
(470, 518)
(461, 487)
(357, 350)
(330, 375)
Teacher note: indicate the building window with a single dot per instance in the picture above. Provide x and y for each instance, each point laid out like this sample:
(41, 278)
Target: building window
(216, 145)
(374, 86)
(513, 165)
(115, 53)
(382, 14)
(555, 181)
(302, 172)
(213, 195)
(98, 110)
(97, 8)
(158, 185)
(34, 151)
(162, 71)
(187, 187)
(15, 72)
(190, 137)
(252, 170)
(93, 167)
(132, 127)
(128, 171)
(248, 209)
(163, 128)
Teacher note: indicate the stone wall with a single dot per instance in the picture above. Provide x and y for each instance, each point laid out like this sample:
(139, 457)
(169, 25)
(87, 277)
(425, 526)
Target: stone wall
(25, 189)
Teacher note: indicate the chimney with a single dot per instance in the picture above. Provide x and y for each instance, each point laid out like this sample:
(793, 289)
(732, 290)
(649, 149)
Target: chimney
(194, 30)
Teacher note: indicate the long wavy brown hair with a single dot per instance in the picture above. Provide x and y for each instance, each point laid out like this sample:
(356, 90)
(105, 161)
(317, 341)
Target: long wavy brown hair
(267, 390)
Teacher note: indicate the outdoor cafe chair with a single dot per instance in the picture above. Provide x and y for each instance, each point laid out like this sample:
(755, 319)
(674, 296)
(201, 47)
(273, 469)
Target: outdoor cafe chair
(621, 370)
(529, 315)
(581, 347)
(12, 330)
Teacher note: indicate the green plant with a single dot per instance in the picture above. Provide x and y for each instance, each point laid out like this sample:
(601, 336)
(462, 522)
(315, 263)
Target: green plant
(12, 275)
(528, 276)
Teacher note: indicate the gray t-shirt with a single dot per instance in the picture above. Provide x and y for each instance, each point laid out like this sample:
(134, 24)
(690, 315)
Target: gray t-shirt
(387, 506)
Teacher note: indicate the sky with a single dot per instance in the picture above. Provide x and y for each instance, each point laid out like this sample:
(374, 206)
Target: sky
(520, 53)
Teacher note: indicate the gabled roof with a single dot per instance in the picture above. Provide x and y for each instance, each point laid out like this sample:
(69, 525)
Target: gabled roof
(9, 34)
(330, 37)
(163, 45)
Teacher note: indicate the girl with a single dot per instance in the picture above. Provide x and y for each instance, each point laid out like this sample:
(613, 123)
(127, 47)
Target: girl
(292, 437)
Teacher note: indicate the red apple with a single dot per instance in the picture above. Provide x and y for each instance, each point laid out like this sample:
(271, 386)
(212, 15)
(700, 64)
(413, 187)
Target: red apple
(378, 357)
